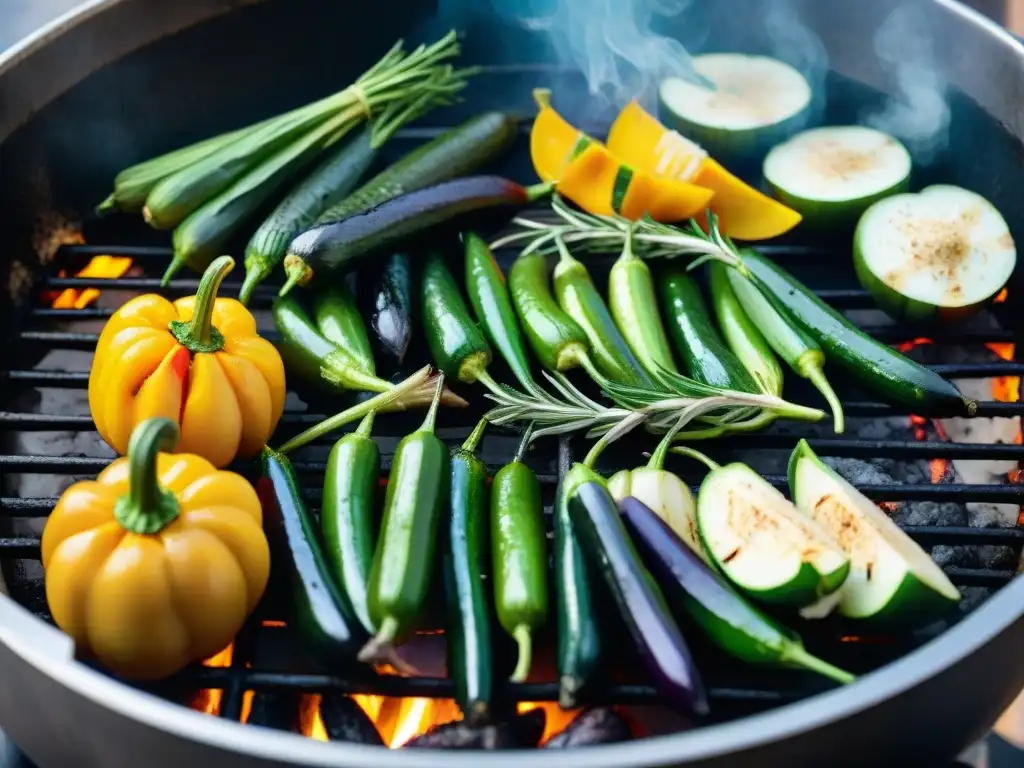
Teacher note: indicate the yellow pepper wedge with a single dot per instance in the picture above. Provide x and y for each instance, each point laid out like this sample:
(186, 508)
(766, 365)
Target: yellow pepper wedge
(744, 213)
(197, 361)
(596, 179)
(158, 561)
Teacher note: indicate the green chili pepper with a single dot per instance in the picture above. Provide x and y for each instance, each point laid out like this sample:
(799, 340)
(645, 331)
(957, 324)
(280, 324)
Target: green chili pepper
(347, 513)
(578, 296)
(492, 304)
(635, 309)
(556, 339)
(468, 629)
(340, 322)
(404, 559)
(322, 614)
(520, 559)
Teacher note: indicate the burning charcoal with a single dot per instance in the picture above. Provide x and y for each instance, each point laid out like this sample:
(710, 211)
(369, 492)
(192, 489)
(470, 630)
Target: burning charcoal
(521, 732)
(595, 726)
(276, 709)
(345, 720)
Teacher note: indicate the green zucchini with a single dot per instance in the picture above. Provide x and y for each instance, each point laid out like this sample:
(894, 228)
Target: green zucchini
(943, 254)
(875, 365)
(892, 580)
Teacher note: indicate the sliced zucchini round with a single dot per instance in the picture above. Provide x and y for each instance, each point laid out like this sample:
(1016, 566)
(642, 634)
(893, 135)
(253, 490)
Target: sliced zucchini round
(763, 544)
(941, 254)
(832, 175)
(749, 104)
(892, 580)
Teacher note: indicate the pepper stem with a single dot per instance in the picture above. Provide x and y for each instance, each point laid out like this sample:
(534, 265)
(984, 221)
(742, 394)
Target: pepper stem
(535, 192)
(817, 378)
(254, 275)
(365, 428)
(430, 421)
(381, 648)
(198, 334)
(147, 508)
(564, 256)
(657, 460)
(524, 444)
(475, 436)
(357, 411)
(525, 646)
(695, 454)
(109, 204)
(797, 655)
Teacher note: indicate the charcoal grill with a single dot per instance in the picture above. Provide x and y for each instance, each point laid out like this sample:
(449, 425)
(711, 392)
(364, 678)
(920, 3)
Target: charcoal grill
(120, 80)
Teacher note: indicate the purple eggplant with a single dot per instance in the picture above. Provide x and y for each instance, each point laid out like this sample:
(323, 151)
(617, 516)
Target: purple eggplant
(607, 547)
(732, 623)
(341, 244)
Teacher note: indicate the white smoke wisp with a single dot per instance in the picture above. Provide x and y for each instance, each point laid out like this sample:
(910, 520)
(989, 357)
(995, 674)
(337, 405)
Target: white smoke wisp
(919, 113)
(793, 42)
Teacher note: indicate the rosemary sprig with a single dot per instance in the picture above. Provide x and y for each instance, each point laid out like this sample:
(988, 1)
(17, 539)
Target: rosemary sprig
(577, 412)
(589, 232)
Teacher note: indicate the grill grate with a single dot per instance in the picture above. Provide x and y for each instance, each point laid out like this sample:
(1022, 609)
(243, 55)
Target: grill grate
(732, 692)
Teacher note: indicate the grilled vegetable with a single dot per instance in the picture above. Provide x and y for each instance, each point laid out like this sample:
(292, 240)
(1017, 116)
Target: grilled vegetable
(761, 542)
(556, 339)
(422, 77)
(492, 305)
(339, 321)
(280, 710)
(456, 343)
(799, 349)
(832, 175)
(638, 139)
(641, 605)
(892, 580)
(941, 254)
(332, 180)
(345, 720)
(457, 152)
(468, 629)
(518, 547)
(390, 313)
(579, 658)
(729, 621)
(875, 365)
(133, 185)
(118, 550)
(663, 492)
(202, 235)
(316, 360)
(742, 335)
(578, 297)
(520, 732)
(704, 355)
(347, 514)
(595, 726)
(342, 244)
(321, 613)
(635, 309)
(404, 559)
(197, 362)
(745, 105)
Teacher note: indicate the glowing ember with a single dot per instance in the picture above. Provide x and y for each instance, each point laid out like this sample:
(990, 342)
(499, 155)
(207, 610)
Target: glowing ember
(310, 721)
(107, 267)
(556, 718)
(208, 700)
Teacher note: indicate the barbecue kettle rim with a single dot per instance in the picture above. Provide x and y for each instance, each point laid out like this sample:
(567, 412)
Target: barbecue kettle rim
(41, 658)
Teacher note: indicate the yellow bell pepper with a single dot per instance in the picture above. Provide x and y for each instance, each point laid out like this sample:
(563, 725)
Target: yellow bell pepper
(197, 361)
(744, 213)
(596, 179)
(158, 561)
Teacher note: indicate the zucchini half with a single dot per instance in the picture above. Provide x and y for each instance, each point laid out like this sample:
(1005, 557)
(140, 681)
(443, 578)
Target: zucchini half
(753, 103)
(941, 254)
(832, 175)
(891, 579)
(762, 544)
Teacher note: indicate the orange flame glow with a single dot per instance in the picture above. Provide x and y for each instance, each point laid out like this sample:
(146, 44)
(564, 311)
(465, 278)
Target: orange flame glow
(556, 718)
(208, 700)
(100, 266)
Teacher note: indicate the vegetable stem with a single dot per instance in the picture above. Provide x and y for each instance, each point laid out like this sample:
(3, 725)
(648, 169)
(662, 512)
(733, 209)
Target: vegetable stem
(199, 334)
(695, 454)
(524, 645)
(381, 648)
(359, 411)
(471, 443)
(430, 420)
(524, 444)
(365, 428)
(147, 508)
(797, 655)
(294, 278)
(817, 378)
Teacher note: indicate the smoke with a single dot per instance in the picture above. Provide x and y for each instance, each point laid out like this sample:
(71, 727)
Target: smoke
(792, 42)
(919, 114)
(613, 43)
